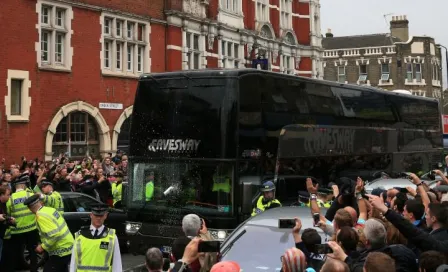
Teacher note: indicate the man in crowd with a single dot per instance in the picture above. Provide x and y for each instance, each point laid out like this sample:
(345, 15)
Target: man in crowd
(267, 199)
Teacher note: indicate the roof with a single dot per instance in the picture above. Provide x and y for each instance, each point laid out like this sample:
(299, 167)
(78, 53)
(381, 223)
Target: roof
(269, 218)
(359, 41)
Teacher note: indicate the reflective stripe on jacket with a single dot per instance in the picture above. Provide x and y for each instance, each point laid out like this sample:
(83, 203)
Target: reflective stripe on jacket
(262, 207)
(94, 254)
(54, 233)
(25, 219)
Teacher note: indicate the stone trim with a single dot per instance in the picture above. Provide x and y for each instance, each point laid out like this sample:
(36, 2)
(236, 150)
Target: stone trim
(103, 128)
(117, 129)
(25, 103)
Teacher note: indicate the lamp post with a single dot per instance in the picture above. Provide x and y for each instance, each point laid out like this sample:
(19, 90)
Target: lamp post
(442, 92)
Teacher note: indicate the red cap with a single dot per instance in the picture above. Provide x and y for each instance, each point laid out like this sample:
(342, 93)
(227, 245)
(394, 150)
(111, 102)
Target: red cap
(227, 266)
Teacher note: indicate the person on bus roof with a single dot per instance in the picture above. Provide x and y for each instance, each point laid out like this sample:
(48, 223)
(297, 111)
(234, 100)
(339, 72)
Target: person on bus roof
(267, 200)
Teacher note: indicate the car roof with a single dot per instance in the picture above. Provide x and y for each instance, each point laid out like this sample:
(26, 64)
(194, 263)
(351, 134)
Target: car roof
(269, 218)
(388, 183)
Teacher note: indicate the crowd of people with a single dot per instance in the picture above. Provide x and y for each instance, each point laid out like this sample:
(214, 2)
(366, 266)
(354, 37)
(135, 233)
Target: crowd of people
(42, 181)
(399, 229)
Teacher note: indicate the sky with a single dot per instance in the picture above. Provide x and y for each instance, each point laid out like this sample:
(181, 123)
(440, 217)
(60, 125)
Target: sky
(357, 17)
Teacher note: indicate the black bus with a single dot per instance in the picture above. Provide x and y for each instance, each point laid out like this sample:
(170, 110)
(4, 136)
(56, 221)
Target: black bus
(190, 127)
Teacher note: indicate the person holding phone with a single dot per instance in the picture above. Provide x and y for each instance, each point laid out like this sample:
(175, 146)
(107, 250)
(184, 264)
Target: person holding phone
(267, 199)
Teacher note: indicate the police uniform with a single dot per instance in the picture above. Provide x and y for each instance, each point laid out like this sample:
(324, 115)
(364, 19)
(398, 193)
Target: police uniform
(25, 233)
(52, 199)
(263, 204)
(56, 238)
(96, 249)
(117, 192)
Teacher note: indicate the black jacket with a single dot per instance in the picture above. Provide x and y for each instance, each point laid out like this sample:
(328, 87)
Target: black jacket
(3, 225)
(424, 241)
(405, 259)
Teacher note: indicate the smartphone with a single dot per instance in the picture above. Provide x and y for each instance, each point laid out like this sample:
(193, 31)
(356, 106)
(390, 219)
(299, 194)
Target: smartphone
(322, 249)
(209, 246)
(316, 218)
(286, 223)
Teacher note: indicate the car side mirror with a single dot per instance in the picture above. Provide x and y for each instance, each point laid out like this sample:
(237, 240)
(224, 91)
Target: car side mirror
(246, 207)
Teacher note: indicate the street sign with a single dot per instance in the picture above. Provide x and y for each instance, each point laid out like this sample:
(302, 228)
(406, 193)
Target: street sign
(111, 106)
(445, 123)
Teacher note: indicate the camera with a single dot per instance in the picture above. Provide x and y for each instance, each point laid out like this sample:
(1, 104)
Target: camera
(9, 221)
(432, 175)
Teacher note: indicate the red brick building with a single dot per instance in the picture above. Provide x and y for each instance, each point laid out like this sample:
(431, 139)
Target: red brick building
(70, 67)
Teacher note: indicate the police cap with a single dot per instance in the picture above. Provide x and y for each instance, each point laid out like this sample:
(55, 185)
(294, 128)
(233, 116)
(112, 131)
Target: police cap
(46, 182)
(99, 209)
(268, 186)
(22, 179)
(30, 201)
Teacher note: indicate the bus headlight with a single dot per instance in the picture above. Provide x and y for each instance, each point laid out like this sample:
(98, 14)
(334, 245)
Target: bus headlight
(132, 227)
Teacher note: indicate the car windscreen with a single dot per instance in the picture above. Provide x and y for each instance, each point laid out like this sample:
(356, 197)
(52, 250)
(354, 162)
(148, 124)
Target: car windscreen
(260, 248)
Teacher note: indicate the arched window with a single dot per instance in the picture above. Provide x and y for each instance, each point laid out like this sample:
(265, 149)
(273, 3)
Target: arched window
(76, 135)
(124, 136)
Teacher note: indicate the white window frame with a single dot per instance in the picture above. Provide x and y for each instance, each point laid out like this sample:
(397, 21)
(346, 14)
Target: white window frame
(363, 76)
(385, 75)
(286, 14)
(342, 74)
(262, 10)
(232, 58)
(25, 99)
(116, 63)
(409, 72)
(287, 65)
(54, 26)
(418, 72)
(191, 52)
(232, 6)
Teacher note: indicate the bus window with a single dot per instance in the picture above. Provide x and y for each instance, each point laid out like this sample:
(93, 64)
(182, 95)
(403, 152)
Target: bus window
(198, 186)
(322, 100)
(364, 104)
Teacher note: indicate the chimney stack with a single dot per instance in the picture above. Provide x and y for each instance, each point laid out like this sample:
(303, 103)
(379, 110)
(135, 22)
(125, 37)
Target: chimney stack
(399, 27)
(329, 34)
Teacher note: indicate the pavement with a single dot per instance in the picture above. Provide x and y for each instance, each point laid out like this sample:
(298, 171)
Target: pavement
(130, 263)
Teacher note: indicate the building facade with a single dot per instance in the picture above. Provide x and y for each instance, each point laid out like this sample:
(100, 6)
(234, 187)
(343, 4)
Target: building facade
(70, 68)
(392, 61)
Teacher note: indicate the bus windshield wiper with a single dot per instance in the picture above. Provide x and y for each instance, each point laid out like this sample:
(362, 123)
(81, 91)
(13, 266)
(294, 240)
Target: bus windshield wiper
(227, 248)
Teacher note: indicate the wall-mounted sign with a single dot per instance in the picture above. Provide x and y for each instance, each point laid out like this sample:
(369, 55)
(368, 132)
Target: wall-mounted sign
(445, 124)
(111, 106)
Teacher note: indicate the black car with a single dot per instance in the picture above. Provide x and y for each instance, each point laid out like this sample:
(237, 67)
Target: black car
(77, 214)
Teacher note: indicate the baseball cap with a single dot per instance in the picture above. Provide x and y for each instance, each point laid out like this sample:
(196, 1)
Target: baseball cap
(226, 266)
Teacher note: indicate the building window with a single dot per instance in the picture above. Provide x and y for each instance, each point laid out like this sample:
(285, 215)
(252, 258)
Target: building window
(288, 65)
(125, 47)
(54, 36)
(77, 134)
(194, 46)
(409, 72)
(233, 6)
(16, 96)
(362, 73)
(435, 72)
(385, 72)
(341, 74)
(230, 54)
(418, 72)
(262, 13)
(286, 14)
(17, 100)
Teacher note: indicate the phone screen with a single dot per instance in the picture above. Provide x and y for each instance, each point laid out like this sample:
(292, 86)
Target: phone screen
(209, 246)
(316, 218)
(322, 249)
(286, 223)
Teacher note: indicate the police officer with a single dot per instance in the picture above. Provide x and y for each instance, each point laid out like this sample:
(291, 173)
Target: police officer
(96, 247)
(149, 187)
(51, 198)
(267, 200)
(117, 189)
(25, 232)
(56, 238)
